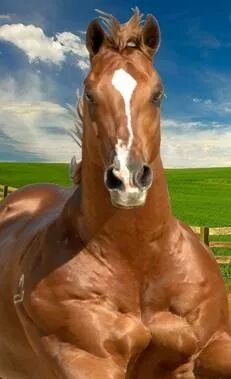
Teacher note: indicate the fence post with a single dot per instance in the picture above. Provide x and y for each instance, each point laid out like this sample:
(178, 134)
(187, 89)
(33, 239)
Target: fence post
(5, 191)
(204, 234)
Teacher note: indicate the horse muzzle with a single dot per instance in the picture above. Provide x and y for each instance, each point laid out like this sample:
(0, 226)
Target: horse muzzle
(128, 187)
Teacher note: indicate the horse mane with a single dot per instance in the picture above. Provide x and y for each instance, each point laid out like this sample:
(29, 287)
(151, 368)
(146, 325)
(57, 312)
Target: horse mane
(119, 35)
(77, 113)
(76, 134)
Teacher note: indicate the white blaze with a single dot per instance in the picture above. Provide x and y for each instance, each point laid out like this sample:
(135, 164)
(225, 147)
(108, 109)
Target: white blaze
(125, 84)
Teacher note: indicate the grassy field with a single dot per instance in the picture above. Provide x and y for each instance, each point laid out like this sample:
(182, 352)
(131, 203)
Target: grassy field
(198, 196)
(20, 174)
(201, 196)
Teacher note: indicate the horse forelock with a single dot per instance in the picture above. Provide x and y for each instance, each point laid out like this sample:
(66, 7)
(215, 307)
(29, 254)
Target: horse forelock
(120, 35)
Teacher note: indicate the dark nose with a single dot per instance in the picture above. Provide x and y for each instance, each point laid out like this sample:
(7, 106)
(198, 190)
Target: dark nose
(143, 177)
(140, 177)
(112, 182)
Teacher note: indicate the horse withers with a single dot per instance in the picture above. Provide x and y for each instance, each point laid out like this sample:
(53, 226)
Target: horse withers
(100, 281)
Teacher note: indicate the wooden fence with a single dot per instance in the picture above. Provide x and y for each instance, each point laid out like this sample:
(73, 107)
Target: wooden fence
(204, 232)
(5, 191)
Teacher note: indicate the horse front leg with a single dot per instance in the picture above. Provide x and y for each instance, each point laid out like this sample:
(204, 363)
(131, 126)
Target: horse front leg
(214, 362)
(71, 362)
(91, 341)
(172, 347)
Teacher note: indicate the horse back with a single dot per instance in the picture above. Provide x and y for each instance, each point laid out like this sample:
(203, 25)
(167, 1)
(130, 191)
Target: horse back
(22, 215)
(33, 201)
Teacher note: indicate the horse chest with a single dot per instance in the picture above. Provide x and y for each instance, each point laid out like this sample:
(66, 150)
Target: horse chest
(93, 303)
(97, 304)
(95, 278)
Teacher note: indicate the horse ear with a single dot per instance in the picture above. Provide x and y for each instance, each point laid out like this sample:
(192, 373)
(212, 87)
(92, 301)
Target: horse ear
(94, 38)
(151, 35)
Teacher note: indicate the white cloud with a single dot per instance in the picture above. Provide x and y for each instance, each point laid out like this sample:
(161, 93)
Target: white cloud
(33, 126)
(197, 100)
(32, 40)
(5, 17)
(39, 47)
(24, 107)
(83, 65)
(195, 144)
(219, 106)
(227, 107)
(72, 43)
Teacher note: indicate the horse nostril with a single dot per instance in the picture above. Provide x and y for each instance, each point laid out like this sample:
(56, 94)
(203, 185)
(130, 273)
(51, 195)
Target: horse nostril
(143, 178)
(112, 182)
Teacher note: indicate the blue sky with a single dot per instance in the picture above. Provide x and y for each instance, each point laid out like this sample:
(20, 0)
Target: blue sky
(43, 61)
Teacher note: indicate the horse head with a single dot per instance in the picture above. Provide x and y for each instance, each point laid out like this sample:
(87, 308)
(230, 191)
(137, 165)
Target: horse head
(121, 104)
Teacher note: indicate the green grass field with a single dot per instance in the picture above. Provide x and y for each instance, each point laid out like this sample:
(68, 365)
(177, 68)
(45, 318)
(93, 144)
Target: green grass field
(198, 196)
(21, 174)
(201, 196)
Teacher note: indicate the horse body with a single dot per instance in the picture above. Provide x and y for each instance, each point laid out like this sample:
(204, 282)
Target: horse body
(90, 290)
(110, 308)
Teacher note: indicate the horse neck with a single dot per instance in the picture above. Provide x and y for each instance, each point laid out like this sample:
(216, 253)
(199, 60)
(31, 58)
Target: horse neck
(97, 212)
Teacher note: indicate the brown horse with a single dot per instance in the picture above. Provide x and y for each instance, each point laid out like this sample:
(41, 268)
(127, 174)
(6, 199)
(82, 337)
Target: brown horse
(101, 281)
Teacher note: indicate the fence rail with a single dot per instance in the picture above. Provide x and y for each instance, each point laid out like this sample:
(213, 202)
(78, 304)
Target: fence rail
(204, 232)
(212, 231)
(5, 190)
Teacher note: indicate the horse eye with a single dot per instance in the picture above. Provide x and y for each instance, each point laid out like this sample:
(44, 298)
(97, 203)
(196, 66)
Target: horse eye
(89, 97)
(157, 97)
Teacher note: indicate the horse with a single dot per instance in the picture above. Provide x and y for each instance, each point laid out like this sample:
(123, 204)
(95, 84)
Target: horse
(100, 280)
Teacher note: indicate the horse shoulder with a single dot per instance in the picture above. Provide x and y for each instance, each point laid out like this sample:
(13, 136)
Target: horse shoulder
(197, 273)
